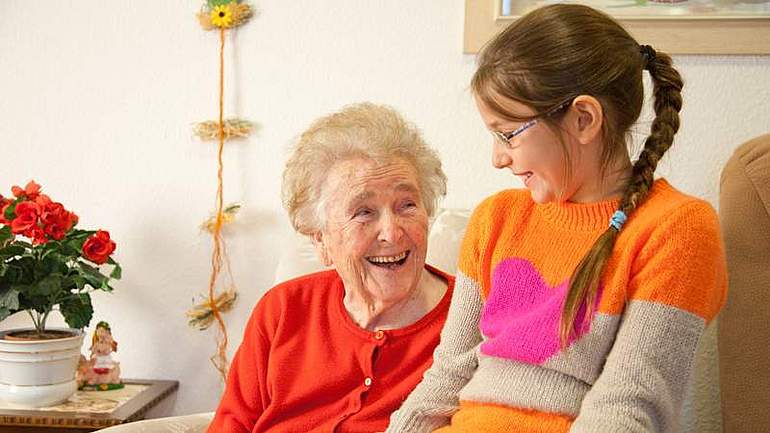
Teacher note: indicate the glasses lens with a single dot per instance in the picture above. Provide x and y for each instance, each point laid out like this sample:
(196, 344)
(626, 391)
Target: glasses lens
(499, 137)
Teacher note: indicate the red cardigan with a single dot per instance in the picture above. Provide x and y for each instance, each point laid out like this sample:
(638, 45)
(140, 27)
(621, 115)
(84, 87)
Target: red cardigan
(305, 366)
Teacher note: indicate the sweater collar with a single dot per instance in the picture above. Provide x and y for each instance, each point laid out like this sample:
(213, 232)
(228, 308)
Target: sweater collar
(587, 216)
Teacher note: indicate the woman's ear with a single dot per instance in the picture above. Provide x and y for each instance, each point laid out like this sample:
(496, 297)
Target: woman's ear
(587, 124)
(320, 248)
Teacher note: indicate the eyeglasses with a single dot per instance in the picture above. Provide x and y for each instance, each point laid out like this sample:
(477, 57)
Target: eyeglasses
(506, 137)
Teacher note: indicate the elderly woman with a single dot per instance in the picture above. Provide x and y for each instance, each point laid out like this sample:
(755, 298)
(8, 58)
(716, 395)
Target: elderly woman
(339, 350)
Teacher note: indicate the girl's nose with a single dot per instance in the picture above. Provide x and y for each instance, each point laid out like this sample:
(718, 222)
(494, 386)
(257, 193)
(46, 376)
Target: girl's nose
(500, 158)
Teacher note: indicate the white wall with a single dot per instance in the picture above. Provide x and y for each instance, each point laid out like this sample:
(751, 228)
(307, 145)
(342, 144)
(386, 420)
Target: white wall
(97, 99)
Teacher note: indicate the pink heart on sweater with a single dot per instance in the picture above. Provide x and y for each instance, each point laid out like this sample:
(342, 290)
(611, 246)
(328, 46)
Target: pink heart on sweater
(521, 316)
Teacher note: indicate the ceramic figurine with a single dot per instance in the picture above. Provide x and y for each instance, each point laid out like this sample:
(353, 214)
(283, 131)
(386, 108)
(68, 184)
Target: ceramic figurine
(100, 372)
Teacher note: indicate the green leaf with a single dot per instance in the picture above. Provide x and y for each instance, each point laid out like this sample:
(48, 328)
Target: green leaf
(51, 247)
(21, 288)
(9, 300)
(4, 312)
(24, 244)
(20, 270)
(77, 310)
(79, 234)
(10, 211)
(11, 251)
(92, 275)
(5, 235)
(49, 265)
(17, 272)
(71, 248)
(57, 264)
(117, 272)
(27, 301)
(215, 3)
(47, 286)
(74, 282)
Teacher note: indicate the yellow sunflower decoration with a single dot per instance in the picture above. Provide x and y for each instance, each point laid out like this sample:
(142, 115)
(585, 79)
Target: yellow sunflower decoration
(224, 14)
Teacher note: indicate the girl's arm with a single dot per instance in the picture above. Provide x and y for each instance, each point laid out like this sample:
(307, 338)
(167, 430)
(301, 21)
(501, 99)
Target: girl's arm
(678, 286)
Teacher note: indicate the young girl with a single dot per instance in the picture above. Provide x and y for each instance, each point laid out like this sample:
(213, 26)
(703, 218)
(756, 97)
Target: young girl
(579, 300)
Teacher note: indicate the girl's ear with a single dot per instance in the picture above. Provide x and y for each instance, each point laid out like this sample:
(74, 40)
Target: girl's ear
(320, 248)
(589, 118)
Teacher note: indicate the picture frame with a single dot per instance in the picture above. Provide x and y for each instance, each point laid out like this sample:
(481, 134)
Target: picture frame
(682, 34)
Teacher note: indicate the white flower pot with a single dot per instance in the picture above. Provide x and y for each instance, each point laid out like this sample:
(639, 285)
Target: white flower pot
(36, 373)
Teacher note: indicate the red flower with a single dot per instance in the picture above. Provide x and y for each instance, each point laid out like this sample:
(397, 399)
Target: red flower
(56, 220)
(36, 234)
(31, 190)
(98, 247)
(26, 217)
(42, 200)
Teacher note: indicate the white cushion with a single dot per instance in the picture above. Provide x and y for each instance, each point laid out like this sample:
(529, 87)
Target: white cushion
(445, 238)
(197, 423)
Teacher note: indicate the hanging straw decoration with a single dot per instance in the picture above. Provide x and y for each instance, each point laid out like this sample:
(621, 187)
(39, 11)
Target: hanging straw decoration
(202, 315)
(221, 15)
(234, 128)
(228, 216)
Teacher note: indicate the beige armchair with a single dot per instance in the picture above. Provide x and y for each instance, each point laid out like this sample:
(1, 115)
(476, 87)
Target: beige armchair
(744, 331)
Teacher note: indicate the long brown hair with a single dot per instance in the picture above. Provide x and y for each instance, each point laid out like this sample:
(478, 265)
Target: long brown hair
(562, 51)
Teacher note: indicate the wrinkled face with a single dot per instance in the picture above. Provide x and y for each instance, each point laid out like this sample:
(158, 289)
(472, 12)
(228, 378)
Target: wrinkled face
(375, 228)
(536, 156)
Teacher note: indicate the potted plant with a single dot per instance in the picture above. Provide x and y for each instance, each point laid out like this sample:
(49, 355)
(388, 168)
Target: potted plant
(46, 265)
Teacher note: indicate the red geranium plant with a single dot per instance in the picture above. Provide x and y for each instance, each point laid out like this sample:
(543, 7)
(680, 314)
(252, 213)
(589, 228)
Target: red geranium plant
(48, 264)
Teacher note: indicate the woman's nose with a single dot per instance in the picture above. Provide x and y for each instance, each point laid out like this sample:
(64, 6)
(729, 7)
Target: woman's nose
(390, 228)
(500, 157)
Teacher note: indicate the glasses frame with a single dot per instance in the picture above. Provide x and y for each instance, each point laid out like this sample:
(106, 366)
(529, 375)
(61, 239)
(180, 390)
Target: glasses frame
(506, 137)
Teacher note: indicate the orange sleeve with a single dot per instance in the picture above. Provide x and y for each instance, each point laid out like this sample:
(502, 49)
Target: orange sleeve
(683, 263)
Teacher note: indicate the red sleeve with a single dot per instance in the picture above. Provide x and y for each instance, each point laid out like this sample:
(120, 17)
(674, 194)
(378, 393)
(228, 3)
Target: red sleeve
(246, 395)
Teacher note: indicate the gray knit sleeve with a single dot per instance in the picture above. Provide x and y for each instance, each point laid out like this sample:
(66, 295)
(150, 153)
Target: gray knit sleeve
(434, 401)
(644, 380)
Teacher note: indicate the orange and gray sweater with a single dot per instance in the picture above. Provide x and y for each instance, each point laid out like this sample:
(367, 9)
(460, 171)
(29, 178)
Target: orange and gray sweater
(500, 366)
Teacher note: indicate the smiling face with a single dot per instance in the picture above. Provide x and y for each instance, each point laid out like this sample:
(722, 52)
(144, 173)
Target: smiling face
(536, 156)
(375, 228)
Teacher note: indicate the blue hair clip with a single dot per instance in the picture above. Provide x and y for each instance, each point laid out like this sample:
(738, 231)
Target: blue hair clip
(618, 219)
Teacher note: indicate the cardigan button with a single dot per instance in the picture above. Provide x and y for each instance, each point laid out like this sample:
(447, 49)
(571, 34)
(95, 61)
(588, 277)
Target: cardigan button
(368, 381)
(379, 335)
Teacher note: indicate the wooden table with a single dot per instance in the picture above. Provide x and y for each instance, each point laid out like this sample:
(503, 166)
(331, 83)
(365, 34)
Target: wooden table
(50, 421)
